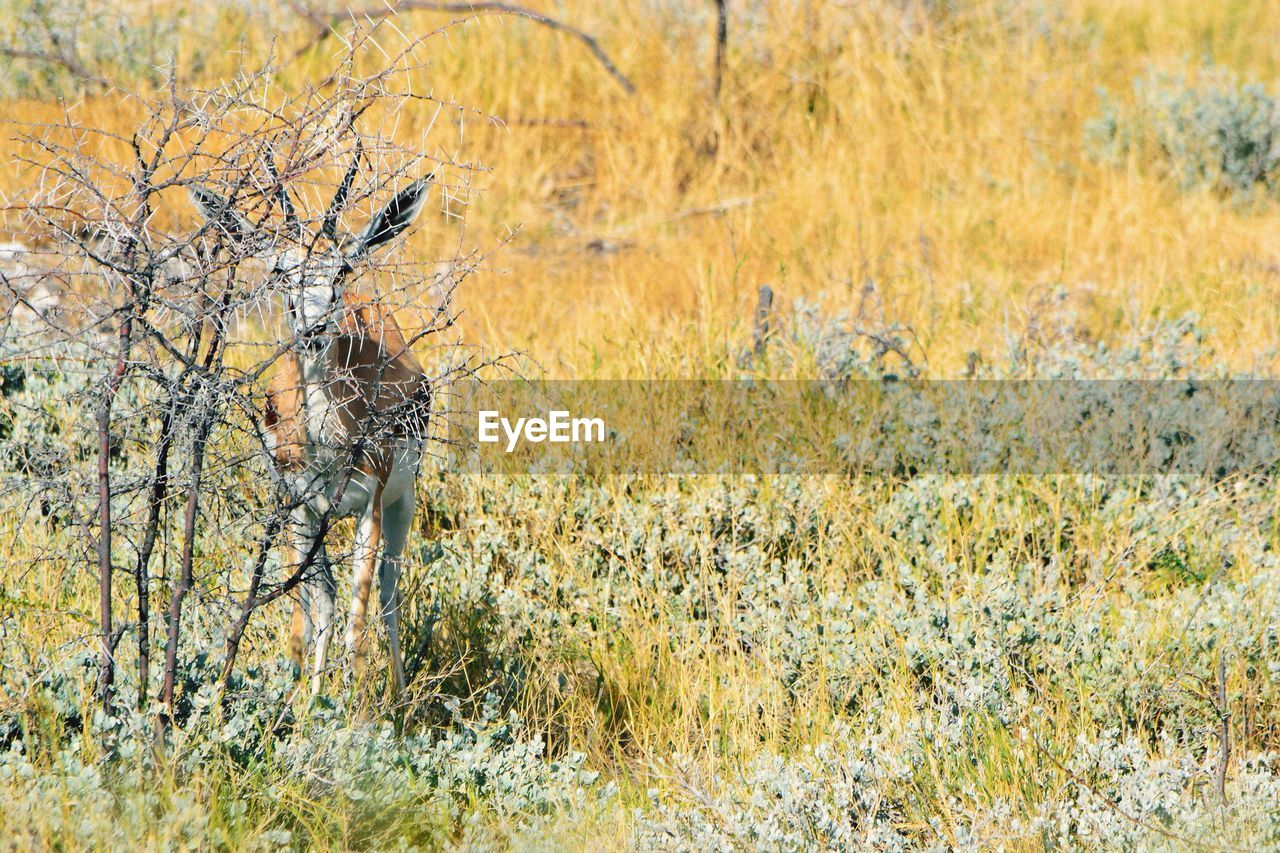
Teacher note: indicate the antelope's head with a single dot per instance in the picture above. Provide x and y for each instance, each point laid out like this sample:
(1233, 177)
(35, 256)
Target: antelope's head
(311, 269)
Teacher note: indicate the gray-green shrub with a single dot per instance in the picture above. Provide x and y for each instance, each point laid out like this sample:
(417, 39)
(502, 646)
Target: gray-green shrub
(1206, 128)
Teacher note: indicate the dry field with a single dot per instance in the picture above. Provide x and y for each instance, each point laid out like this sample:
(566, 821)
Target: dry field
(1078, 189)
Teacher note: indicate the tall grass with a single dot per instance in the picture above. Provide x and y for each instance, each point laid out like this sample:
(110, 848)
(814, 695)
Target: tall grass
(939, 158)
(982, 662)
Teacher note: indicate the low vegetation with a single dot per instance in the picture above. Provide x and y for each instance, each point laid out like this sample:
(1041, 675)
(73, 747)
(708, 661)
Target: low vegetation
(688, 661)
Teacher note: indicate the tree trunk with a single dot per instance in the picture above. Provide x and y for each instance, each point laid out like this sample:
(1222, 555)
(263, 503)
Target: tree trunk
(185, 571)
(159, 489)
(107, 668)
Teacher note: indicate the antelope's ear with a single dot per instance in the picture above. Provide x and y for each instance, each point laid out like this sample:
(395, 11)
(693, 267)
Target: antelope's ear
(217, 209)
(393, 219)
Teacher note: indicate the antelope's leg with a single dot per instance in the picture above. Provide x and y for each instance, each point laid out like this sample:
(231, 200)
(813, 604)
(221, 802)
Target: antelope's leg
(397, 521)
(324, 595)
(365, 554)
(300, 628)
(313, 616)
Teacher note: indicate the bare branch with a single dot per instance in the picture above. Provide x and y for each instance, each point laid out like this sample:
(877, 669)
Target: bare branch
(70, 64)
(326, 21)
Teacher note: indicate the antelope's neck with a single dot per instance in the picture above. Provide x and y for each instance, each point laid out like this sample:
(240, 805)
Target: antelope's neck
(320, 410)
(314, 366)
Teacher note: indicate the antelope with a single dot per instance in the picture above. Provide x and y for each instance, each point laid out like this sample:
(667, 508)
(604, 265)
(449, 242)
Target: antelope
(345, 416)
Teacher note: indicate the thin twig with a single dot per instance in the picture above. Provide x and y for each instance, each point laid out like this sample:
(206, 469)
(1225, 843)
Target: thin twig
(326, 21)
(72, 65)
(1224, 719)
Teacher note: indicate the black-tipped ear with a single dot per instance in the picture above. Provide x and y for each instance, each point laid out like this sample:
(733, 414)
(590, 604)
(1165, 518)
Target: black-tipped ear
(393, 219)
(217, 209)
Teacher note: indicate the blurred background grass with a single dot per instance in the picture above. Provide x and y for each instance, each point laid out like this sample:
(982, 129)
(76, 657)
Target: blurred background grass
(930, 156)
(927, 162)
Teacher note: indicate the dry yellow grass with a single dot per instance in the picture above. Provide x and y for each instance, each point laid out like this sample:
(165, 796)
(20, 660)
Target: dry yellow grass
(940, 159)
(935, 167)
